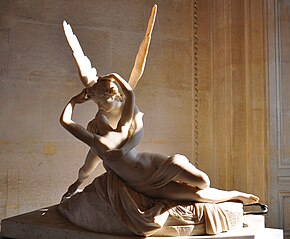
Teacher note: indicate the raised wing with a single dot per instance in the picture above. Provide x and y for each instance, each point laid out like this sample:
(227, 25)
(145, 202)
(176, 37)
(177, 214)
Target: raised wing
(88, 74)
(140, 59)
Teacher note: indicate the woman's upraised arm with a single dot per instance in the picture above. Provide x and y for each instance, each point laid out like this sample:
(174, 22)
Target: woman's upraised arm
(128, 108)
(75, 129)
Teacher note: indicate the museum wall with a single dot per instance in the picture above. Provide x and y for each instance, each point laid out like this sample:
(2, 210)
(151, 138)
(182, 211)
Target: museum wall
(232, 145)
(39, 159)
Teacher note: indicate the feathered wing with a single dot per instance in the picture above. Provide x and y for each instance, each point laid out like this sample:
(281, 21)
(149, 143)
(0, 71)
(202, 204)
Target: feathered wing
(88, 74)
(140, 59)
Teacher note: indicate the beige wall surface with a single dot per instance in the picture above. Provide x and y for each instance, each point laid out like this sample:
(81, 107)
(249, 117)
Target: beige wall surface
(39, 159)
(232, 94)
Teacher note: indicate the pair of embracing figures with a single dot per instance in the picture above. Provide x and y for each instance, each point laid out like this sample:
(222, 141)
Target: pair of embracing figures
(118, 127)
(115, 146)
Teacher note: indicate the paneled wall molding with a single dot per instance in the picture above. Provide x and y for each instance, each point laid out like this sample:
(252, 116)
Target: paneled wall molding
(195, 81)
(232, 135)
(278, 99)
(284, 158)
(284, 202)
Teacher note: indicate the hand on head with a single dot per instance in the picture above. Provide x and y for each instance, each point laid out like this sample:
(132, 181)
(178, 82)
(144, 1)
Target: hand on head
(81, 97)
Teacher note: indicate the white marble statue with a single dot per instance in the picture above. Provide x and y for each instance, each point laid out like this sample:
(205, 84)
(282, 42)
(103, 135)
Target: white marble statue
(180, 181)
(132, 177)
(113, 109)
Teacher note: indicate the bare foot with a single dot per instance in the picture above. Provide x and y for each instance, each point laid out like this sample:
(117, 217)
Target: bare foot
(246, 198)
(72, 190)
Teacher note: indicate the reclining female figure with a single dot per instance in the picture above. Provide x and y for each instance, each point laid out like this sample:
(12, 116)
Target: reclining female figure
(155, 175)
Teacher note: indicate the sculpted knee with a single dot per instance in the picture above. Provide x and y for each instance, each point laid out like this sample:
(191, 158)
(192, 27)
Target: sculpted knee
(180, 158)
(206, 181)
(83, 173)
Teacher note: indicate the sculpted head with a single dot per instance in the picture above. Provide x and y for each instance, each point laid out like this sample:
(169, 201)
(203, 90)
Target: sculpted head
(105, 93)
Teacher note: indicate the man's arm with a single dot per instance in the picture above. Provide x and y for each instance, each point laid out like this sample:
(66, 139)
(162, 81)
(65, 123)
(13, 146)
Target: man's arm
(129, 105)
(137, 135)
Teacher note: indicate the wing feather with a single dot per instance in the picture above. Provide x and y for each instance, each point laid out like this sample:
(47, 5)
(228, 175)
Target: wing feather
(88, 74)
(141, 57)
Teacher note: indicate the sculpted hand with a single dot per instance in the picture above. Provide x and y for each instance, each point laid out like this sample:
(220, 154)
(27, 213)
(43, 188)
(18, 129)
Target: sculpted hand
(81, 97)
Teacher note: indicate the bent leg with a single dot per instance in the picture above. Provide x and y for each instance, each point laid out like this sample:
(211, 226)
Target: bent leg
(91, 162)
(183, 192)
(192, 176)
(174, 191)
(213, 195)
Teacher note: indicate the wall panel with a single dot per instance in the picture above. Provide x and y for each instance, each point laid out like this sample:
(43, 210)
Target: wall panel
(232, 114)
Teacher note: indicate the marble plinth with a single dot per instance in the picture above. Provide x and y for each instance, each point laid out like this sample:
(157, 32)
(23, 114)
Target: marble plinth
(47, 223)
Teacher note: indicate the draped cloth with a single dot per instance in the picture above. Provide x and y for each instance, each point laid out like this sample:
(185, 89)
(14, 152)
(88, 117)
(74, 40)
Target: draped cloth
(168, 170)
(109, 205)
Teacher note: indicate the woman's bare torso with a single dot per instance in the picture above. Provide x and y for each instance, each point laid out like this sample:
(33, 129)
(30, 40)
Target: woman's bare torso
(134, 166)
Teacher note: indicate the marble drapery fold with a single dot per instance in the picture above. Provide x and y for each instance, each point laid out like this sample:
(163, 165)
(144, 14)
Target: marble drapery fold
(108, 205)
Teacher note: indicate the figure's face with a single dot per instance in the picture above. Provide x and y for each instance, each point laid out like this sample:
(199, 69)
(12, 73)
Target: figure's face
(106, 104)
(103, 95)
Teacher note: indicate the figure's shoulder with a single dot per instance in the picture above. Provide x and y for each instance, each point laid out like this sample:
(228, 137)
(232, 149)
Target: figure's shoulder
(137, 110)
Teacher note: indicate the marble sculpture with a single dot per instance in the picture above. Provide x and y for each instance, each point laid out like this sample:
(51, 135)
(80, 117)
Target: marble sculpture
(141, 193)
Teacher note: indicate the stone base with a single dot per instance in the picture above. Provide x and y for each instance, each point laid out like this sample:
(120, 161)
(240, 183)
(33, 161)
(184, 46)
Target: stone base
(47, 223)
